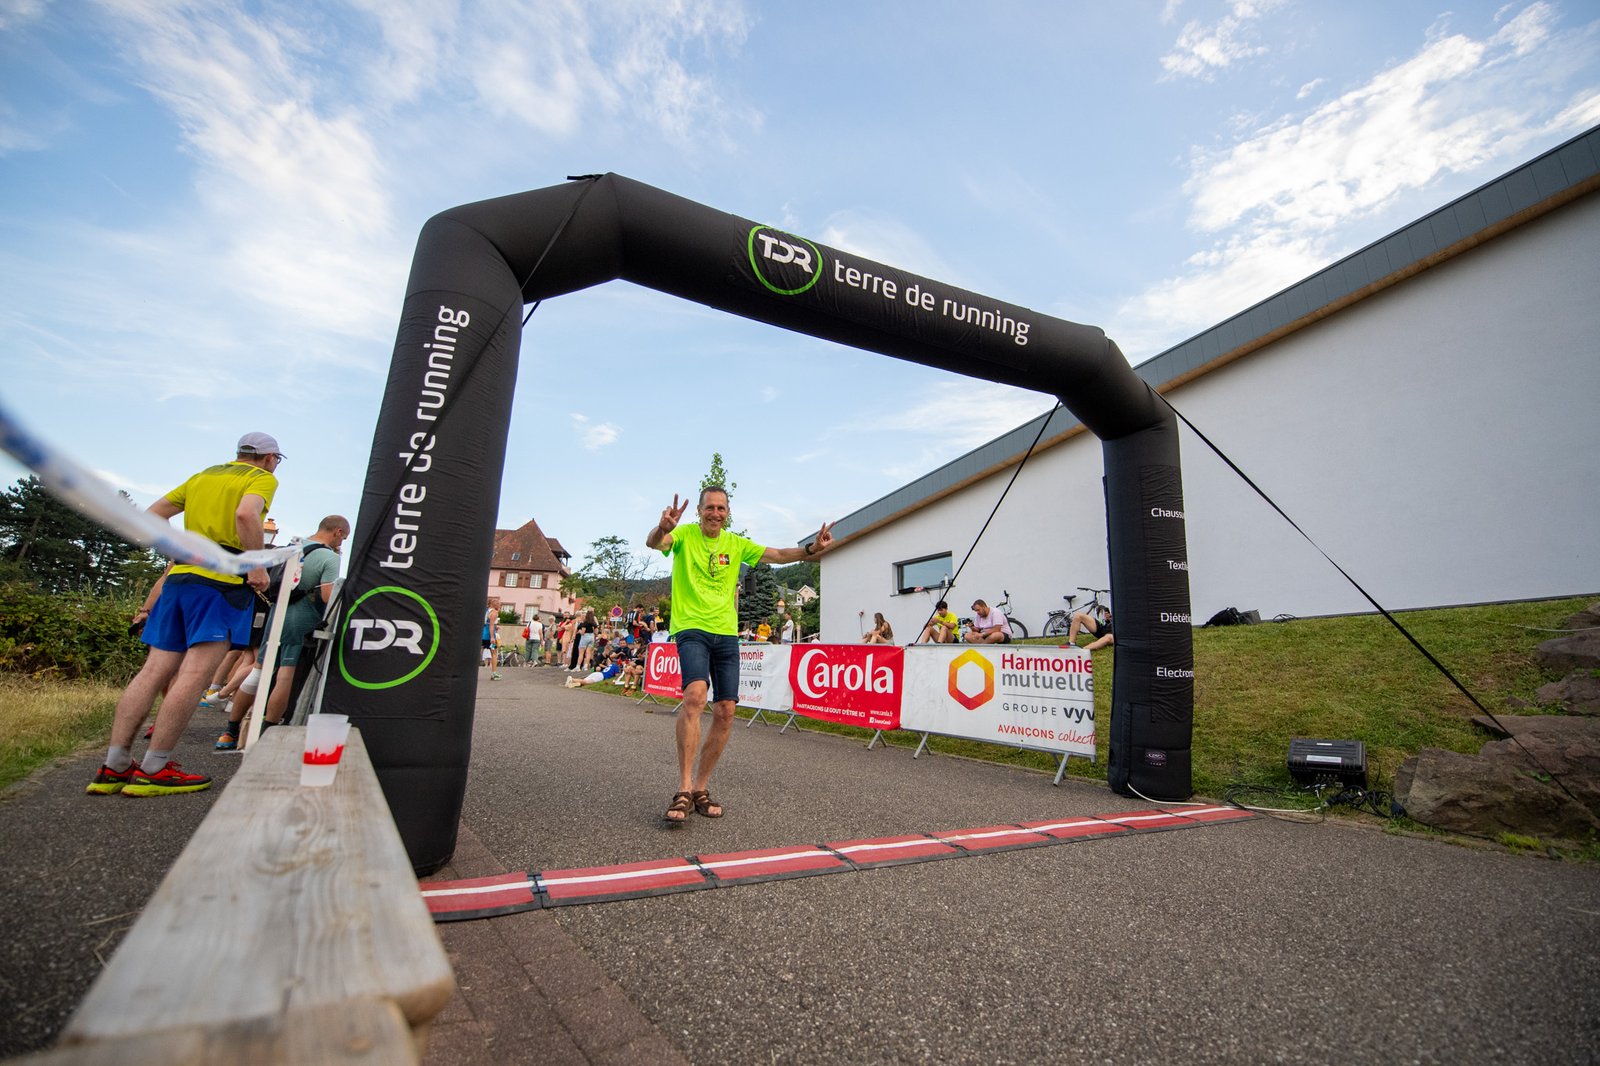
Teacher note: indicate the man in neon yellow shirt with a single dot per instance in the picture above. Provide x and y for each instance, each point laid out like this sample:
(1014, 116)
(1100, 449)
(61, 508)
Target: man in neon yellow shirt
(200, 614)
(705, 624)
(942, 626)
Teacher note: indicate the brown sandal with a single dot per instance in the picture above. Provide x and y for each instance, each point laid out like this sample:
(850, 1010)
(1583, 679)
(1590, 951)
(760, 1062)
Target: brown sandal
(703, 803)
(681, 803)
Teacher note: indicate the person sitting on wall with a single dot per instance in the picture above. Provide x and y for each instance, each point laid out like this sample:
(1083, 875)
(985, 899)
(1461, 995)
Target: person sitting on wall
(942, 627)
(989, 625)
(1097, 625)
(881, 632)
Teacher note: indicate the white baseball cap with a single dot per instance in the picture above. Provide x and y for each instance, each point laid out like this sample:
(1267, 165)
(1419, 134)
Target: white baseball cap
(260, 444)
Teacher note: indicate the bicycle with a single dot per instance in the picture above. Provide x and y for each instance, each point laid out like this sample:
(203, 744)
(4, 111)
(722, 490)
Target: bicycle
(508, 657)
(1059, 623)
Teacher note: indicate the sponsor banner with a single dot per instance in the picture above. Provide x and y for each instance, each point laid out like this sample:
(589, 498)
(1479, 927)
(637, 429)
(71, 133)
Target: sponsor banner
(1018, 694)
(764, 676)
(852, 684)
(662, 677)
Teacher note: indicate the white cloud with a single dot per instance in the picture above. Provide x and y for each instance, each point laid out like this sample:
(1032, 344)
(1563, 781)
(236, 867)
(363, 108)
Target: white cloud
(1280, 202)
(14, 13)
(960, 415)
(595, 435)
(1201, 50)
(555, 65)
(883, 240)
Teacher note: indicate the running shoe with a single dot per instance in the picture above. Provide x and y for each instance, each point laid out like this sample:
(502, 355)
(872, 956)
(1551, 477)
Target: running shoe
(214, 703)
(227, 742)
(108, 781)
(167, 781)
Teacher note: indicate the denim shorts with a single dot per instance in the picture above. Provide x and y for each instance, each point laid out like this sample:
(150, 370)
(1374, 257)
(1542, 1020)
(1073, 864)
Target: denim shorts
(712, 657)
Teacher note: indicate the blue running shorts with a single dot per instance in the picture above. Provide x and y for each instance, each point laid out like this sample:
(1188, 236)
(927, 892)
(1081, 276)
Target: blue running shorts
(190, 613)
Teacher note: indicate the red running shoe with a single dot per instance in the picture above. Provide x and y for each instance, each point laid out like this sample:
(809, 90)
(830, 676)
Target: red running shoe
(108, 781)
(167, 781)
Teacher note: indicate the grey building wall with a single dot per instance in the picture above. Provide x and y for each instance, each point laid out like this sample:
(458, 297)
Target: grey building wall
(1437, 436)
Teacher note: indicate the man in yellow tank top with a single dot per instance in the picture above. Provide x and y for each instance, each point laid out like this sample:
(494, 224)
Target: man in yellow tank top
(201, 614)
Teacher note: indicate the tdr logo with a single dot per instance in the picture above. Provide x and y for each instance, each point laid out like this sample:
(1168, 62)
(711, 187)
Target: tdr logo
(784, 263)
(390, 636)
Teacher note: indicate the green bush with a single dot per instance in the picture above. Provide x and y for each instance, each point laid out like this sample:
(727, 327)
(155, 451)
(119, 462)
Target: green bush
(67, 636)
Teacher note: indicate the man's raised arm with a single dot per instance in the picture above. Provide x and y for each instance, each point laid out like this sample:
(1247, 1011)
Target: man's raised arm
(812, 550)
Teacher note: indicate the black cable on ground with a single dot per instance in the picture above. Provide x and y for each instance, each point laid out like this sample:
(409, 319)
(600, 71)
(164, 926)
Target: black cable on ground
(1369, 598)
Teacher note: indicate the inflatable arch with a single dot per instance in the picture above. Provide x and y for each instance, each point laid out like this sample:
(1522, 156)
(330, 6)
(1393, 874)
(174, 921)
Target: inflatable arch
(405, 664)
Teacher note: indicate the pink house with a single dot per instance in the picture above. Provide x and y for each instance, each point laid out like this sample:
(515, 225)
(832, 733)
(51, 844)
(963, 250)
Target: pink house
(525, 572)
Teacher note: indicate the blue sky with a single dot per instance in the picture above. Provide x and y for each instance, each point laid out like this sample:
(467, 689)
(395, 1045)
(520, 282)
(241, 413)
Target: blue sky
(208, 209)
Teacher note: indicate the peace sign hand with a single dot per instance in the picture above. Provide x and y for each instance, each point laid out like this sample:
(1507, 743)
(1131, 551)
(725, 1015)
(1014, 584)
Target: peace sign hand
(670, 515)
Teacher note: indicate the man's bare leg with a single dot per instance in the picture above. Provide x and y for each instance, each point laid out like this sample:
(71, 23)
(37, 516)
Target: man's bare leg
(716, 741)
(183, 695)
(688, 736)
(134, 703)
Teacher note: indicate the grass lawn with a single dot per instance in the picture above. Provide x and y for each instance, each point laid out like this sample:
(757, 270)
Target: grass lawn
(1346, 678)
(45, 720)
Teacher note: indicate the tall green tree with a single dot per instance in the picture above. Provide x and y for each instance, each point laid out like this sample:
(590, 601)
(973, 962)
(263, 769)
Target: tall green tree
(718, 475)
(56, 547)
(611, 565)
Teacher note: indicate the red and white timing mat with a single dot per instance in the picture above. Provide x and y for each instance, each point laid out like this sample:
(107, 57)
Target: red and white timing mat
(484, 897)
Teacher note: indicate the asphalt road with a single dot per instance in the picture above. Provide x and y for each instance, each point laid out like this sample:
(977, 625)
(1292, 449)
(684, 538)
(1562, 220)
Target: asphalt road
(1261, 941)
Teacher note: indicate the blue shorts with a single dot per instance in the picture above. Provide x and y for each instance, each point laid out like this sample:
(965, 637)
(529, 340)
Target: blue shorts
(187, 614)
(712, 657)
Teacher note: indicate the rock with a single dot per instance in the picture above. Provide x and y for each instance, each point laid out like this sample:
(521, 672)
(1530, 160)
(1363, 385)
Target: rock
(1488, 795)
(1580, 651)
(1578, 692)
(1588, 618)
(1565, 747)
(1494, 726)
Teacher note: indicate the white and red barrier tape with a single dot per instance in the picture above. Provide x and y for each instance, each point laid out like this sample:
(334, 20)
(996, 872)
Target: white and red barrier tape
(484, 897)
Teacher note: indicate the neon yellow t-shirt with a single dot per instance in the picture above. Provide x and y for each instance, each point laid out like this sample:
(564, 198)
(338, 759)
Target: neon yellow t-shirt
(948, 620)
(210, 502)
(705, 578)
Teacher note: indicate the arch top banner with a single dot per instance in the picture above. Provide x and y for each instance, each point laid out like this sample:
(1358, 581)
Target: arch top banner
(406, 664)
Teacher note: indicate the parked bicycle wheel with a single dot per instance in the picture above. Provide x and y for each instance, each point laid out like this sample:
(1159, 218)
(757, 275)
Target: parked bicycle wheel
(1057, 624)
(1018, 630)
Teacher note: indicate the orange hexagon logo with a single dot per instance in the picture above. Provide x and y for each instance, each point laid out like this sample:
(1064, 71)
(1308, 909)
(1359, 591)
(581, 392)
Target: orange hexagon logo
(985, 694)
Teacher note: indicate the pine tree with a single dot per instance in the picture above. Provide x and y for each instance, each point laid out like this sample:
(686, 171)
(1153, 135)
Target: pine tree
(59, 549)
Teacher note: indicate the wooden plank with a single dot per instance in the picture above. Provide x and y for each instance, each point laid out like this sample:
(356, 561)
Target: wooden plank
(357, 1033)
(286, 899)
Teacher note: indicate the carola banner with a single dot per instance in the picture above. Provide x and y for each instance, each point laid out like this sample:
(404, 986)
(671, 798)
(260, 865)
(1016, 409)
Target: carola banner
(1033, 697)
(848, 683)
(662, 676)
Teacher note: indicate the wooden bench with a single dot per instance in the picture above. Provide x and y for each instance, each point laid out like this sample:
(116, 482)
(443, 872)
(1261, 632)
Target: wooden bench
(289, 930)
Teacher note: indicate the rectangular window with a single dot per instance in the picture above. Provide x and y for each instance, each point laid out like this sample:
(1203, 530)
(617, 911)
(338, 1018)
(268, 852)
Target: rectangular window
(536, 581)
(515, 556)
(511, 581)
(929, 571)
